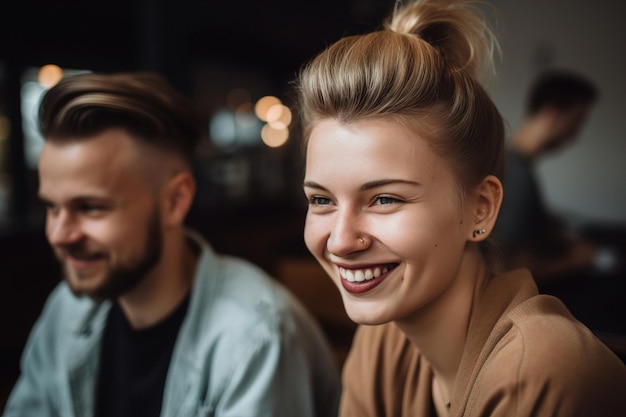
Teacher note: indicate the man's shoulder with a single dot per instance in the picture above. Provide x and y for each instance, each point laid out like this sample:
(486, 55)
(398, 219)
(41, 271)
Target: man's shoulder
(225, 277)
(64, 316)
(249, 297)
(233, 299)
(238, 310)
(240, 281)
(62, 302)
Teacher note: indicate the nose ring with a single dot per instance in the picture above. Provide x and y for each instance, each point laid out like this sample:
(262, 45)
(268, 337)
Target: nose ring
(361, 241)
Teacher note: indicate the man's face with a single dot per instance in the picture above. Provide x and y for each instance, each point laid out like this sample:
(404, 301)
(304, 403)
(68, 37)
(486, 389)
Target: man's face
(102, 217)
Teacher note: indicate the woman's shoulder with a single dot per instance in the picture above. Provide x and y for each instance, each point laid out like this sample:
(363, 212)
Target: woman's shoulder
(543, 358)
(547, 331)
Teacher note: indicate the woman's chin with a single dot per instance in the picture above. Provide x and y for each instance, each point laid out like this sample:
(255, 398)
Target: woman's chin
(366, 316)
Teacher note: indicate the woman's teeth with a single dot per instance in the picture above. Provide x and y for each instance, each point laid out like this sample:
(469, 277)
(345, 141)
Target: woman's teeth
(360, 275)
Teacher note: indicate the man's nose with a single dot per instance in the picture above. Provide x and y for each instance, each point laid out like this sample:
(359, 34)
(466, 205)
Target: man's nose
(63, 228)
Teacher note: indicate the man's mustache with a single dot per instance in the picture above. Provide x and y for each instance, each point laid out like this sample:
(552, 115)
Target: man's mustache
(79, 251)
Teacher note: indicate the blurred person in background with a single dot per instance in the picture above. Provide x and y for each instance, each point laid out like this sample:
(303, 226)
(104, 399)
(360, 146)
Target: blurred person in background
(558, 106)
(149, 321)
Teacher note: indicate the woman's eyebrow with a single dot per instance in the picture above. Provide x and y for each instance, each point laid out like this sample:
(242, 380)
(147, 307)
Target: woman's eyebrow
(313, 184)
(380, 183)
(367, 186)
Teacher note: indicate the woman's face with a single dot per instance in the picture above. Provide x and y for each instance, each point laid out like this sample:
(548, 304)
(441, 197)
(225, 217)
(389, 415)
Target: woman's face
(384, 218)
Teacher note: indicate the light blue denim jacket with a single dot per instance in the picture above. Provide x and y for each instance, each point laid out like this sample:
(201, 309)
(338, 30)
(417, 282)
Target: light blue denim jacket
(246, 348)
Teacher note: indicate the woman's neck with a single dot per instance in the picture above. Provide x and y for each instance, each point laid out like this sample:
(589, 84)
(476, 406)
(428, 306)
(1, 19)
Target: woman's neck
(440, 330)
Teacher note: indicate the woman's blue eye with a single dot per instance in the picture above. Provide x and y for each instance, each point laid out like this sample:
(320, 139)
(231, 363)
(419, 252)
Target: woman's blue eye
(385, 200)
(319, 201)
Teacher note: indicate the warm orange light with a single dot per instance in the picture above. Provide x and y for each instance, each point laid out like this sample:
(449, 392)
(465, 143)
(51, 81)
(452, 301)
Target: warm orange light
(274, 137)
(49, 75)
(279, 116)
(262, 106)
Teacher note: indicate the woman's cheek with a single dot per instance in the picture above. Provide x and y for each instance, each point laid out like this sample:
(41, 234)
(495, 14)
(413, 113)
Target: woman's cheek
(312, 234)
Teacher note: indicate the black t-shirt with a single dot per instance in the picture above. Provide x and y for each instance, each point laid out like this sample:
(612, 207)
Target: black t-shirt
(134, 364)
(524, 220)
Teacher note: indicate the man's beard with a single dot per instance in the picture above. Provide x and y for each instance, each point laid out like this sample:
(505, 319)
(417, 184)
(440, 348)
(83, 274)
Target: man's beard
(124, 278)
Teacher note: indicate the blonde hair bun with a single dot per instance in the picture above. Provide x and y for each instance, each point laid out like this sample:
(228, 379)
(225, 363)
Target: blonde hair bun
(458, 29)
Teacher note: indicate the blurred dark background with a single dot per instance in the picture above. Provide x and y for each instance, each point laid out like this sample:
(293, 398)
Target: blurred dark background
(226, 55)
(207, 49)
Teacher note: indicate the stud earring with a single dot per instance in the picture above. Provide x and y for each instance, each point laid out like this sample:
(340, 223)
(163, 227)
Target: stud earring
(478, 232)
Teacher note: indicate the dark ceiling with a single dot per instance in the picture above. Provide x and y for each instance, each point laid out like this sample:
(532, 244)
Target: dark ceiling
(171, 36)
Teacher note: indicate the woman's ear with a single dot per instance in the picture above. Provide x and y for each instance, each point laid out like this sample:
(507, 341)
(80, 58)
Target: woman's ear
(179, 193)
(487, 201)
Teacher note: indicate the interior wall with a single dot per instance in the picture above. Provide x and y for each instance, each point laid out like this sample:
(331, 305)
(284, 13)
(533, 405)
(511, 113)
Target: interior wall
(587, 180)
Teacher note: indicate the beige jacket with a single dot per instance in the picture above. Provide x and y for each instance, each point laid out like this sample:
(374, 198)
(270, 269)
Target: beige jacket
(526, 356)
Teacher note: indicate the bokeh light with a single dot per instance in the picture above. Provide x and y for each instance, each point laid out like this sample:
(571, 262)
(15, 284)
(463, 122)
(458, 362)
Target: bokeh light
(263, 105)
(49, 75)
(279, 116)
(245, 124)
(223, 128)
(273, 137)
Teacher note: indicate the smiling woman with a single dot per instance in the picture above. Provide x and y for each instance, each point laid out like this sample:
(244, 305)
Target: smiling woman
(377, 185)
(404, 160)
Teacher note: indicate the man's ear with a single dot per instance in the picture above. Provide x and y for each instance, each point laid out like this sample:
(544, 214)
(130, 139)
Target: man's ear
(178, 195)
(486, 206)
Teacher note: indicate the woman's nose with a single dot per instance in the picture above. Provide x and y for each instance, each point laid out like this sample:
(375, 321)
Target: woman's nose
(347, 235)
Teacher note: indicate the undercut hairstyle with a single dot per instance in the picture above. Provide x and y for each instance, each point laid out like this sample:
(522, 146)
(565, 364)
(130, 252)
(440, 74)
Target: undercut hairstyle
(420, 69)
(142, 103)
(561, 89)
